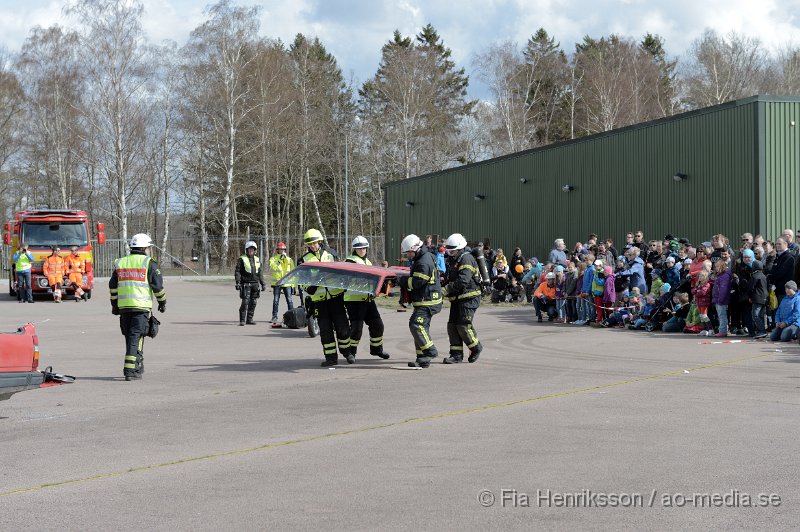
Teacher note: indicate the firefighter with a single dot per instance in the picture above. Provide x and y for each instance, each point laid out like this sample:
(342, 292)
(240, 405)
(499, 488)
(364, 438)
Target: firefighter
(53, 269)
(361, 308)
(328, 305)
(134, 282)
(249, 282)
(23, 259)
(463, 289)
(75, 269)
(425, 291)
(279, 265)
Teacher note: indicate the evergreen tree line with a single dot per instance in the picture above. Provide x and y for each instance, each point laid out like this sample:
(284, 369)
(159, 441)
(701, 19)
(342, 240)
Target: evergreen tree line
(235, 133)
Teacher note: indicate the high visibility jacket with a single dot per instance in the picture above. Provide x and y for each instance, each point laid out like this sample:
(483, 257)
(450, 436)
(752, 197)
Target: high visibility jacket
(322, 293)
(423, 283)
(244, 271)
(22, 261)
(357, 296)
(75, 264)
(53, 265)
(548, 292)
(246, 264)
(279, 266)
(133, 289)
(463, 277)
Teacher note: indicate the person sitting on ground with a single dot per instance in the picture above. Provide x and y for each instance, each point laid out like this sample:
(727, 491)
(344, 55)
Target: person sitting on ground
(544, 298)
(621, 314)
(516, 292)
(500, 256)
(787, 317)
(680, 310)
(644, 317)
(500, 281)
(517, 260)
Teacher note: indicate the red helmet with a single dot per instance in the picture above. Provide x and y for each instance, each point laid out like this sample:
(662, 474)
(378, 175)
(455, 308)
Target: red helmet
(280, 245)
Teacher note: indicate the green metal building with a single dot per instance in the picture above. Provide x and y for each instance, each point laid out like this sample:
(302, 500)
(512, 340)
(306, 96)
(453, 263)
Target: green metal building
(730, 169)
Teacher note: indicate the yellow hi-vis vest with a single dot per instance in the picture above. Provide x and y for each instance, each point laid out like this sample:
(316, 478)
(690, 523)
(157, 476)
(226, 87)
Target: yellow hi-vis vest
(22, 262)
(280, 266)
(357, 296)
(133, 290)
(246, 263)
(322, 292)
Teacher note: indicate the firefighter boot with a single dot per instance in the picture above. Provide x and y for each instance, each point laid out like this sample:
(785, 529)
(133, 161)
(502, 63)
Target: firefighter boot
(350, 355)
(476, 352)
(378, 352)
(454, 358)
(330, 361)
(421, 362)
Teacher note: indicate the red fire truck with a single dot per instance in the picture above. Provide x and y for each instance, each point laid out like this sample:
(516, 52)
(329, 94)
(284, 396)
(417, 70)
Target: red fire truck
(41, 229)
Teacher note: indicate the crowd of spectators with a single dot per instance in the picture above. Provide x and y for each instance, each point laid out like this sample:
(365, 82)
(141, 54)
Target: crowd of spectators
(715, 288)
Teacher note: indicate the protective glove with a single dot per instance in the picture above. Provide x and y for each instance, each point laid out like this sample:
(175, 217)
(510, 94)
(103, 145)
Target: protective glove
(162, 306)
(238, 287)
(115, 310)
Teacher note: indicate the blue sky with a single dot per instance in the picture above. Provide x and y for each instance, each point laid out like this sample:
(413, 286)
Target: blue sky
(355, 30)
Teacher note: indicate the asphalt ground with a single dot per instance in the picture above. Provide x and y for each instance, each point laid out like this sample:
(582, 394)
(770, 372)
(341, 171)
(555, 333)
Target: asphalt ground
(238, 428)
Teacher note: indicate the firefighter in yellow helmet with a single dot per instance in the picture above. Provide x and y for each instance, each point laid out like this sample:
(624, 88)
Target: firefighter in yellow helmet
(361, 308)
(328, 305)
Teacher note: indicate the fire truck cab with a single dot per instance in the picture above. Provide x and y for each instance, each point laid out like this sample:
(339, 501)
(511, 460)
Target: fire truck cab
(42, 229)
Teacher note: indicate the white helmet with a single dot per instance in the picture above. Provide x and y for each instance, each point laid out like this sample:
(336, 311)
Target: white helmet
(410, 243)
(455, 243)
(141, 240)
(360, 242)
(250, 244)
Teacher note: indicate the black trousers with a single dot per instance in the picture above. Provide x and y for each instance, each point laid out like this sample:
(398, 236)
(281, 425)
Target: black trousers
(249, 293)
(460, 330)
(420, 325)
(134, 326)
(334, 328)
(549, 307)
(361, 312)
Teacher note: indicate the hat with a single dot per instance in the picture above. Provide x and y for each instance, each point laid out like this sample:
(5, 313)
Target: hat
(666, 287)
(687, 261)
(748, 253)
(674, 245)
(441, 249)
(559, 269)
(671, 259)
(684, 241)
(598, 262)
(621, 257)
(668, 236)
(707, 244)
(535, 260)
(550, 275)
(791, 284)
(280, 245)
(608, 270)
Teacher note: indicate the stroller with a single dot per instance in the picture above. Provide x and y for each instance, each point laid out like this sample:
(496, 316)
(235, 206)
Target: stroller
(664, 310)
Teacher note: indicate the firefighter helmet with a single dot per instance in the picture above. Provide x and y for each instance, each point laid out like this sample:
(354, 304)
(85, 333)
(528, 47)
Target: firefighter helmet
(250, 244)
(141, 240)
(311, 236)
(455, 243)
(360, 242)
(280, 245)
(410, 243)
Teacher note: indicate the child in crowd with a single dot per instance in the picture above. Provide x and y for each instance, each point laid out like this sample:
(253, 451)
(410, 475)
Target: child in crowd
(598, 289)
(559, 270)
(527, 282)
(571, 292)
(702, 298)
(647, 311)
(656, 283)
(721, 294)
(680, 310)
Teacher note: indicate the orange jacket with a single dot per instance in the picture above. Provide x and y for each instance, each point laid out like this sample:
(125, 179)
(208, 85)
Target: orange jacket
(75, 264)
(548, 292)
(53, 265)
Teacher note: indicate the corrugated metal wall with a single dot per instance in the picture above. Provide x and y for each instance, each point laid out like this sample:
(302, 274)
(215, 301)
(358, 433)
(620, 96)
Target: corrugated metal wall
(781, 166)
(623, 181)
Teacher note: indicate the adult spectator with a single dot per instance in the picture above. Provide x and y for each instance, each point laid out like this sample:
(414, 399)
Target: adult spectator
(500, 281)
(591, 240)
(783, 269)
(787, 318)
(517, 260)
(628, 241)
(488, 252)
(610, 247)
(23, 259)
(557, 254)
(788, 236)
(605, 255)
(634, 270)
(638, 240)
(769, 256)
(747, 242)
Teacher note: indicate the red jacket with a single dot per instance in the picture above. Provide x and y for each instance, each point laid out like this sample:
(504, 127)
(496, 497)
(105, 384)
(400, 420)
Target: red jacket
(702, 294)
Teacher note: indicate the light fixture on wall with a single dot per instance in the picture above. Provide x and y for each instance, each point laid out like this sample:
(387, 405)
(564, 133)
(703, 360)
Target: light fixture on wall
(680, 176)
(567, 188)
(523, 180)
(479, 197)
(409, 204)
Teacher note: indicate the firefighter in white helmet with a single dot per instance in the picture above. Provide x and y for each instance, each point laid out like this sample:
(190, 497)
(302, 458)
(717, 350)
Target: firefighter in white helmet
(249, 282)
(426, 297)
(361, 308)
(463, 289)
(134, 282)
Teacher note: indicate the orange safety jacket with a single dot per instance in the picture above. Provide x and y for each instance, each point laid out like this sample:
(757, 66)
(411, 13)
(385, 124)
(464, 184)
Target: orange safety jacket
(548, 292)
(75, 264)
(53, 265)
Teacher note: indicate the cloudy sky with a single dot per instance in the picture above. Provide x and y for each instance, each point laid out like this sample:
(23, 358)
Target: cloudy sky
(355, 30)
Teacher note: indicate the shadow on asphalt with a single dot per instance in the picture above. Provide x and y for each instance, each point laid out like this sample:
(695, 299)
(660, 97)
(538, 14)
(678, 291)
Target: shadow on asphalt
(109, 379)
(294, 365)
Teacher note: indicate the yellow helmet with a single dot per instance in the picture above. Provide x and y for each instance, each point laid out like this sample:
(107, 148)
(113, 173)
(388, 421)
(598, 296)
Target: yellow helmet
(311, 236)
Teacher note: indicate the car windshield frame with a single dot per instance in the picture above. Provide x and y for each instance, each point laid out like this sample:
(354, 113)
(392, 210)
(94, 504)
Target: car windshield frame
(62, 234)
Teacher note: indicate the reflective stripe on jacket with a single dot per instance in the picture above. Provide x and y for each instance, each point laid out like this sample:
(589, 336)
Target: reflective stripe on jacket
(246, 264)
(53, 265)
(133, 289)
(322, 292)
(75, 264)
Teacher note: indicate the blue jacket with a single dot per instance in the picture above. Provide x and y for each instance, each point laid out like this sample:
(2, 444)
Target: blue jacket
(673, 275)
(789, 311)
(534, 273)
(588, 275)
(440, 264)
(636, 273)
